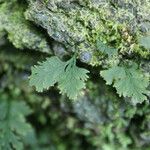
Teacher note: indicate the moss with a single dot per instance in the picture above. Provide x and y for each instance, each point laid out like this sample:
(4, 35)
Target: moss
(78, 25)
(21, 32)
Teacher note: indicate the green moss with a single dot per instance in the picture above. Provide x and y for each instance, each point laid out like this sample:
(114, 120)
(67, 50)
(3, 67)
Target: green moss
(21, 32)
(79, 25)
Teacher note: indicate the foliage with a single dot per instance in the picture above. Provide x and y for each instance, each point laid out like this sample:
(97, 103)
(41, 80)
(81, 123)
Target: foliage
(144, 41)
(102, 36)
(99, 118)
(128, 81)
(69, 77)
(13, 125)
(106, 49)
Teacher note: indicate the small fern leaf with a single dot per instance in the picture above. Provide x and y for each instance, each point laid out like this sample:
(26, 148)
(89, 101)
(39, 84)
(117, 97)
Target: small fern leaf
(13, 125)
(72, 81)
(112, 73)
(145, 41)
(129, 82)
(70, 78)
(106, 49)
(47, 73)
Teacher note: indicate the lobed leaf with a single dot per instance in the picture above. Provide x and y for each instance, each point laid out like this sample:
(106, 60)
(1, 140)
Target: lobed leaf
(129, 82)
(145, 41)
(13, 125)
(70, 78)
(106, 49)
(47, 73)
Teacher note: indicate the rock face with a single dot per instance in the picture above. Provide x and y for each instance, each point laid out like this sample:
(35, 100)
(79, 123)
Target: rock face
(78, 24)
(67, 22)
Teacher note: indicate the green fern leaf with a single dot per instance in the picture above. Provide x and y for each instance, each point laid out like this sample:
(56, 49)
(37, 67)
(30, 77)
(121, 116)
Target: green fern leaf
(13, 126)
(145, 41)
(106, 49)
(70, 78)
(129, 82)
(112, 73)
(47, 73)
